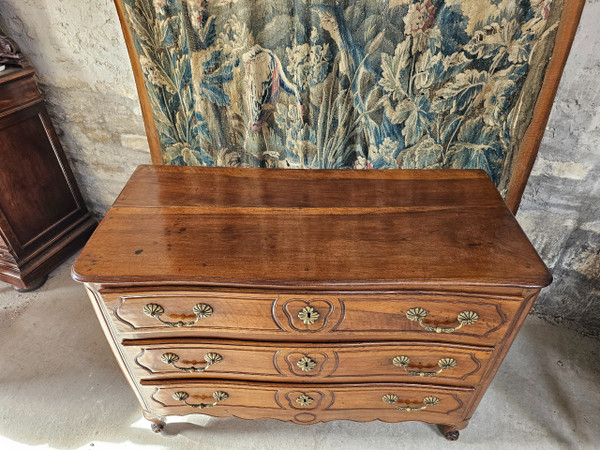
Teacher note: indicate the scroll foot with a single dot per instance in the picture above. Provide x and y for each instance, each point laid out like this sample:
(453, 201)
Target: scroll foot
(157, 426)
(452, 435)
(449, 432)
(156, 422)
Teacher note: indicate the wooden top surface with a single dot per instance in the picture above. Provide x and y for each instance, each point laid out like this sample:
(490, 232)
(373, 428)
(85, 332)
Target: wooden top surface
(309, 229)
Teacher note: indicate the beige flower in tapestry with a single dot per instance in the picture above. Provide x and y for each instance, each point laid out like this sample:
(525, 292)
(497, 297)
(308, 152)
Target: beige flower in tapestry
(343, 84)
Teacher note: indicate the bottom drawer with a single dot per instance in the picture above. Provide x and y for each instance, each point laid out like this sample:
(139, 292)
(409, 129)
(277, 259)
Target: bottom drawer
(308, 404)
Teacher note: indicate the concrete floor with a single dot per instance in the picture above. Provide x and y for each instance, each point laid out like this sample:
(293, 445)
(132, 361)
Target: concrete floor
(61, 388)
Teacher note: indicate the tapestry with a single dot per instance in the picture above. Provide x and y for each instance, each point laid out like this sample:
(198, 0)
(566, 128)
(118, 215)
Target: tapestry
(342, 84)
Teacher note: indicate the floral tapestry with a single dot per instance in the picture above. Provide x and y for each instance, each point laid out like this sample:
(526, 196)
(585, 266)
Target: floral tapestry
(343, 84)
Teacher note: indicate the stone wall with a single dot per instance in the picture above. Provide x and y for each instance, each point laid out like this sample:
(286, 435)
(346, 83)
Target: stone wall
(83, 68)
(560, 211)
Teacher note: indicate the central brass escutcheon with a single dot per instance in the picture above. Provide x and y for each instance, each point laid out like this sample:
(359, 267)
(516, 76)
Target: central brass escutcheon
(304, 400)
(308, 315)
(306, 364)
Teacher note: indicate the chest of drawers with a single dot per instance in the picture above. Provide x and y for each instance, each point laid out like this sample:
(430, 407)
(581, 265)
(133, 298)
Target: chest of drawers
(310, 296)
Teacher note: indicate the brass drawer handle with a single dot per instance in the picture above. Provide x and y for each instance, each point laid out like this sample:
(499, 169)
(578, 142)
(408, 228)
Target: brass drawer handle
(464, 318)
(210, 358)
(183, 396)
(201, 311)
(392, 399)
(404, 361)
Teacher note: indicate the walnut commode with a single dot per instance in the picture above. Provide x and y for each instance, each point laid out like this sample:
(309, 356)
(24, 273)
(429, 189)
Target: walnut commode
(310, 296)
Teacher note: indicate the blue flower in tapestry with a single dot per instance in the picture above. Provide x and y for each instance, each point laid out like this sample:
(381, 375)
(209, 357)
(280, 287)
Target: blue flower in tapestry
(338, 84)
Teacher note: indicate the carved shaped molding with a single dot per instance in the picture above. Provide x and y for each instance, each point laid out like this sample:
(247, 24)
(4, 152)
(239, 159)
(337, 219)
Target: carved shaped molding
(306, 314)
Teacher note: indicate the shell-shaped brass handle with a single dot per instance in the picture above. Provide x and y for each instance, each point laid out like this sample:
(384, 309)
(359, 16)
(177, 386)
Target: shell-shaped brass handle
(201, 311)
(173, 358)
(308, 315)
(392, 399)
(444, 364)
(464, 318)
(182, 396)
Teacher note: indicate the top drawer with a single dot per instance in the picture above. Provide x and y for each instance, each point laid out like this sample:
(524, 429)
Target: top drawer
(351, 317)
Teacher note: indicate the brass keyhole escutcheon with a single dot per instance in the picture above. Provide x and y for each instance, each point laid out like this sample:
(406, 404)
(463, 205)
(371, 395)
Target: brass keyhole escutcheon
(304, 400)
(308, 315)
(306, 364)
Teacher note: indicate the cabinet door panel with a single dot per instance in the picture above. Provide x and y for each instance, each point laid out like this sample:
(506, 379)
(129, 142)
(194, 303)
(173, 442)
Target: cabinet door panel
(35, 194)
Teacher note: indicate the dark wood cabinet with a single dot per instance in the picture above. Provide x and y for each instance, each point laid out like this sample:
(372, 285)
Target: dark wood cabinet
(43, 218)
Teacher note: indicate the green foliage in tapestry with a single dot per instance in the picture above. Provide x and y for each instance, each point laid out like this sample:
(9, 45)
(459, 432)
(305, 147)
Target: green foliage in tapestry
(336, 84)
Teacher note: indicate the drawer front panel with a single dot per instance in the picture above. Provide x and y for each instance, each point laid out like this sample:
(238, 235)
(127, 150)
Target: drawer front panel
(447, 318)
(424, 363)
(174, 312)
(308, 404)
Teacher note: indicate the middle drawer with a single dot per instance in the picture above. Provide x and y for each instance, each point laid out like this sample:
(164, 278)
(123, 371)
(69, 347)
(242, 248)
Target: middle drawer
(449, 364)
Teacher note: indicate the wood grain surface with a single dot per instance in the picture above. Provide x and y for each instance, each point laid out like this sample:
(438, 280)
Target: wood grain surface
(232, 227)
